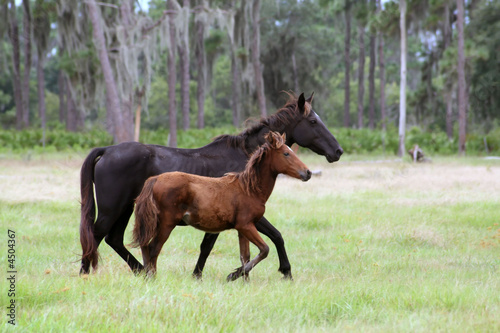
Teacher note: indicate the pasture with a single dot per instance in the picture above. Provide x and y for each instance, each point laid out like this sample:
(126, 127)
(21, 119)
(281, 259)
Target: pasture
(374, 247)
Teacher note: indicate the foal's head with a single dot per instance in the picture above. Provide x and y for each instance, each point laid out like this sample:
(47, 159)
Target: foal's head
(282, 159)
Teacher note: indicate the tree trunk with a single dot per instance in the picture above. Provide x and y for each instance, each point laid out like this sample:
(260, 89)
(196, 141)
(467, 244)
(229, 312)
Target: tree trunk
(61, 83)
(361, 74)
(461, 79)
(171, 78)
(16, 64)
(381, 69)
(71, 111)
(184, 57)
(255, 54)
(448, 85)
(27, 62)
(402, 87)
(295, 74)
(122, 131)
(371, 83)
(41, 93)
(201, 67)
(236, 88)
(347, 63)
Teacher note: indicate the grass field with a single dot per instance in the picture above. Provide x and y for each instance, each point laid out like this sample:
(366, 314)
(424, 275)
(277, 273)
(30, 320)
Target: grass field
(374, 246)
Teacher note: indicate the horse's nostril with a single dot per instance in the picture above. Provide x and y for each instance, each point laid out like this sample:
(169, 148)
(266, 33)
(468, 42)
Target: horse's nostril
(309, 173)
(339, 152)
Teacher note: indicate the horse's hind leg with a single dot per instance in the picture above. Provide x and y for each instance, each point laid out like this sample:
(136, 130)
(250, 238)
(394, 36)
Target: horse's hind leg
(250, 233)
(115, 239)
(102, 226)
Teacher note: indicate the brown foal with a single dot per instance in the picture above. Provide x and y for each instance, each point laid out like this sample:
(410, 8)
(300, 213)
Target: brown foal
(235, 201)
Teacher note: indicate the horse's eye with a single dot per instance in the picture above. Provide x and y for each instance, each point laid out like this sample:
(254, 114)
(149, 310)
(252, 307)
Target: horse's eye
(312, 121)
(286, 154)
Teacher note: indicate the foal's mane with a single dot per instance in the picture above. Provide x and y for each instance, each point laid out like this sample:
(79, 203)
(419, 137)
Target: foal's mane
(249, 177)
(281, 118)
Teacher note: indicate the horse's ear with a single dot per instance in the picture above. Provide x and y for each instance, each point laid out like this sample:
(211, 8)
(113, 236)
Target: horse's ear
(310, 99)
(301, 102)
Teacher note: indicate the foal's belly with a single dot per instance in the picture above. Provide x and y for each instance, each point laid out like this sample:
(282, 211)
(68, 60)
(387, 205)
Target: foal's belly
(207, 223)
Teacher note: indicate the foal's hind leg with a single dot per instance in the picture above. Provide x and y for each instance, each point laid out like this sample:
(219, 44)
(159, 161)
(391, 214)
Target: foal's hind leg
(150, 255)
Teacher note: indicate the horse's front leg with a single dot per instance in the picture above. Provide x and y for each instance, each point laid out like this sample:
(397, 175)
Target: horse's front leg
(205, 248)
(266, 228)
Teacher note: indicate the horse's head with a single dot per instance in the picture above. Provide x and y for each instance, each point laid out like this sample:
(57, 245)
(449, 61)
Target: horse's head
(310, 132)
(284, 160)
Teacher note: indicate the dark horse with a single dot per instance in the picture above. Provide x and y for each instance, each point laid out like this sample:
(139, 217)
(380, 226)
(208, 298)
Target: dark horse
(119, 172)
(234, 201)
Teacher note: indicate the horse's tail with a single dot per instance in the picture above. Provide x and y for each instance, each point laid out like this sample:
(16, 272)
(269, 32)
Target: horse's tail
(89, 245)
(146, 215)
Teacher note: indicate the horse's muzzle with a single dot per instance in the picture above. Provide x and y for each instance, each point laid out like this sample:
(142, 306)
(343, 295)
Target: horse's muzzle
(305, 175)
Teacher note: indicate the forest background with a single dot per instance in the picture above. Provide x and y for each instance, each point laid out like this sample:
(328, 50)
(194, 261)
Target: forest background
(79, 74)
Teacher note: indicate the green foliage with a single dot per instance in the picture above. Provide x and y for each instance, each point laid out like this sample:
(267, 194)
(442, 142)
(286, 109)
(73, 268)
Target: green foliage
(56, 139)
(353, 141)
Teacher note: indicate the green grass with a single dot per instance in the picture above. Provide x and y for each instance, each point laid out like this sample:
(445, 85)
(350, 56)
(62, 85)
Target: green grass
(375, 247)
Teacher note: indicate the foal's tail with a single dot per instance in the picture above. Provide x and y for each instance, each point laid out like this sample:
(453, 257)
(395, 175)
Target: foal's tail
(89, 245)
(146, 215)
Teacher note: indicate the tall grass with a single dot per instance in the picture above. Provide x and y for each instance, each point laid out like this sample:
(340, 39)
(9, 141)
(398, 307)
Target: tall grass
(373, 247)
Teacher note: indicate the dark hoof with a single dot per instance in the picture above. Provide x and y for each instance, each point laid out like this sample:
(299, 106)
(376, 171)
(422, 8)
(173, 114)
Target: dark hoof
(287, 276)
(197, 275)
(235, 275)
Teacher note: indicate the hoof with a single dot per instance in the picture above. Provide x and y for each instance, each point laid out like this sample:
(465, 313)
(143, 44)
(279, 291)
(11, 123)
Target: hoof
(287, 276)
(197, 276)
(235, 275)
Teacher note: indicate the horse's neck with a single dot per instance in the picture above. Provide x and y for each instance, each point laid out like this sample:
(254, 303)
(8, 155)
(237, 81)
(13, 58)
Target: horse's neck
(256, 139)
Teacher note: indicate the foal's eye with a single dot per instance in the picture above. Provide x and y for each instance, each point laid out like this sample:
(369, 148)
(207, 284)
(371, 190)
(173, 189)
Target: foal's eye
(286, 154)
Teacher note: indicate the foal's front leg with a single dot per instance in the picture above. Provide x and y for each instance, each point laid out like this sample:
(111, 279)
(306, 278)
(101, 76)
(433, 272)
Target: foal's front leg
(249, 232)
(244, 258)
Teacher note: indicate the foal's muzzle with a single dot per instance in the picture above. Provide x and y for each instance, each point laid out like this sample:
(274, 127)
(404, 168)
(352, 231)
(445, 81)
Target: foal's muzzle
(305, 175)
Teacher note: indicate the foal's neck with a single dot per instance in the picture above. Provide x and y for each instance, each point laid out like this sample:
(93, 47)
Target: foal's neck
(266, 180)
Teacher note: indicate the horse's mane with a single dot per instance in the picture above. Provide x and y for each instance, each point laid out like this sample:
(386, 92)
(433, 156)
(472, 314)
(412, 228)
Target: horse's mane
(249, 177)
(276, 121)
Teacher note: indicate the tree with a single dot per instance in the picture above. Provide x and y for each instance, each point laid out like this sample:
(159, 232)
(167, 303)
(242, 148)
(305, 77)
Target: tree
(172, 6)
(27, 62)
(184, 61)
(347, 62)
(448, 84)
(461, 78)
(402, 87)
(41, 35)
(361, 72)
(201, 64)
(371, 73)
(255, 55)
(16, 65)
(121, 130)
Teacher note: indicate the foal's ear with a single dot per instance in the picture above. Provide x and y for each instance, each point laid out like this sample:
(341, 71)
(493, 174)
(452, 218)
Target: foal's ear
(310, 99)
(301, 102)
(274, 139)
